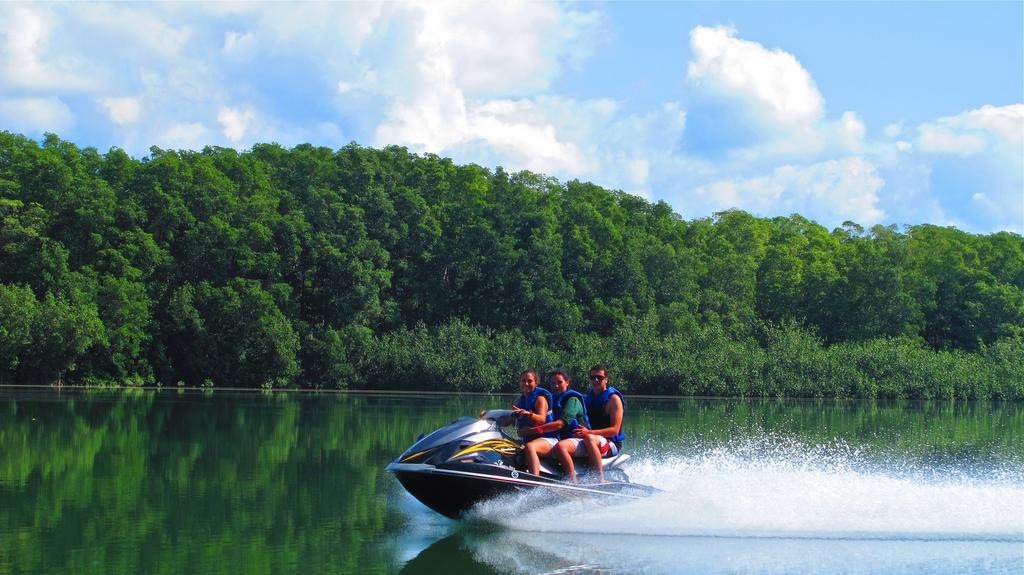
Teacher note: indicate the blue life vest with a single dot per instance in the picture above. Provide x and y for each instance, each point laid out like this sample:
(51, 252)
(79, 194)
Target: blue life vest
(571, 426)
(599, 418)
(527, 403)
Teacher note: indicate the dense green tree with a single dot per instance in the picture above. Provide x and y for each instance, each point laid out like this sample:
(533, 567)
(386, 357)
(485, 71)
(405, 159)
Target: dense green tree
(328, 268)
(235, 334)
(18, 309)
(125, 310)
(63, 329)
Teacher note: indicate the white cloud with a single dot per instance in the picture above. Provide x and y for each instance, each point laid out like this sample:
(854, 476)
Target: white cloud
(185, 135)
(239, 44)
(479, 83)
(983, 149)
(36, 115)
(937, 138)
(25, 58)
(180, 63)
(974, 131)
(234, 122)
(505, 47)
(462, 53)
(145, 28)
(908, 196)
(25, 34)
(893, 130)
(639, 170)
(852, 131)
(1007, 122)
(772, 82)
(806, 154)
(637, 153)
(771, 96)
(523, 132)
(123, 110)
(449, 76)
(367, 82)
(331, 28)
(830, 191)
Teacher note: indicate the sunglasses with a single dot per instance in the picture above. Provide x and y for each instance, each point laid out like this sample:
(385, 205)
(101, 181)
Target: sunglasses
(598, 377)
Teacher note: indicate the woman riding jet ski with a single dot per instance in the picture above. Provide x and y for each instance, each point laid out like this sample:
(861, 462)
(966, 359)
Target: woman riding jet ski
(471, 459)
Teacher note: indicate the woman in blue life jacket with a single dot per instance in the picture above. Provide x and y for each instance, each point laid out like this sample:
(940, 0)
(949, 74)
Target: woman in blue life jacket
(568, 415)
(605, 407)
(533, 407)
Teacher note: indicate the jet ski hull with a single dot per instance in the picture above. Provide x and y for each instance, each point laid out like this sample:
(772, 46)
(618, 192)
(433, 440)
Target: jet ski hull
(450, 494)
(453, 489)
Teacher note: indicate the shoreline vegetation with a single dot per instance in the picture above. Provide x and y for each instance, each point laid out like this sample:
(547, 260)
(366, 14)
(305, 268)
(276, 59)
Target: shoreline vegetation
(139, 390)
(365, 269)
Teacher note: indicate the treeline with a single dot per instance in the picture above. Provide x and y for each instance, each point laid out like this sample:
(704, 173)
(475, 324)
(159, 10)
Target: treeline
(381, 268)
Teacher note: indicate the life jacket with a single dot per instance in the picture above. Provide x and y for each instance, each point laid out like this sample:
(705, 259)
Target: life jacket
(527, 403)
(566, 432)
(599, 418)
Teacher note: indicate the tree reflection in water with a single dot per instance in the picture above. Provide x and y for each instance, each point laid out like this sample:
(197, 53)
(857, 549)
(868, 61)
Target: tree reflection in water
(169, 482)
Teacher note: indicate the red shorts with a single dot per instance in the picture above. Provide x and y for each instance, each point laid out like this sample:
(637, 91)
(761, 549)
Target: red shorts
(608, 448)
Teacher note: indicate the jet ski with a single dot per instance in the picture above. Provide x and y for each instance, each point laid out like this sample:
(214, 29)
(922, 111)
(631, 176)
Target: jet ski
(472, 459)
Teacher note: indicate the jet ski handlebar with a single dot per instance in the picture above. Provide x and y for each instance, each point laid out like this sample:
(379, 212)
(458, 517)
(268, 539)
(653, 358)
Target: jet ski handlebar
(502, 417)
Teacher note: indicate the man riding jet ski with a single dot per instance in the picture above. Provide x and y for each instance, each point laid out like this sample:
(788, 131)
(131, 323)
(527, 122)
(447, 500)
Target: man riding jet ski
(472, 459)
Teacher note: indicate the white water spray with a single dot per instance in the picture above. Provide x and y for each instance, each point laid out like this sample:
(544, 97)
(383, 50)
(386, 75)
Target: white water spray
(768, 488)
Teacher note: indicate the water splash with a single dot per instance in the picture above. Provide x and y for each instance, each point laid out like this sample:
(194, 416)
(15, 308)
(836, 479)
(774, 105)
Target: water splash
(519, 552)
(777, 487)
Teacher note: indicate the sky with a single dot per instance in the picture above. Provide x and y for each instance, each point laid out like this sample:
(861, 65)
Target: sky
(878, 113)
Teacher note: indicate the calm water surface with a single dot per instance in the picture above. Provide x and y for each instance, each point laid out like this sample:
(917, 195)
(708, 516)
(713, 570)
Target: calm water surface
(169, 482)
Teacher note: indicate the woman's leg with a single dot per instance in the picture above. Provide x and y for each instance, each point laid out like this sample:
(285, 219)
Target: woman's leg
(534, 451)
(564, 450)
(593, 445)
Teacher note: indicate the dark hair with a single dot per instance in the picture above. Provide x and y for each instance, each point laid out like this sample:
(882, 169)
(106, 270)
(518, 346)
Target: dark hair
(536, 376)
(600, 367)
(560, 372)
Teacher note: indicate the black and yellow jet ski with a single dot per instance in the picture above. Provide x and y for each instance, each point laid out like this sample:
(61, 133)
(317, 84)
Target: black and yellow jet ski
(472, 459)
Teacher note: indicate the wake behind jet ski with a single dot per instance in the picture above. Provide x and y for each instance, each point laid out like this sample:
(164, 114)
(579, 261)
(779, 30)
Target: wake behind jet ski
(472, 459)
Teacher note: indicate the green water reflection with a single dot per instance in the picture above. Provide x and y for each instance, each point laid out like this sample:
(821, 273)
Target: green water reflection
(164, 482)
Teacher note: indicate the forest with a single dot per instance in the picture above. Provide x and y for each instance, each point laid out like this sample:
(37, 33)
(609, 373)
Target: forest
(365, 268)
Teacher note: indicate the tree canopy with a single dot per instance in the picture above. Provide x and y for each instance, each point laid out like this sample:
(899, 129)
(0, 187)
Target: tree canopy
(312, 267)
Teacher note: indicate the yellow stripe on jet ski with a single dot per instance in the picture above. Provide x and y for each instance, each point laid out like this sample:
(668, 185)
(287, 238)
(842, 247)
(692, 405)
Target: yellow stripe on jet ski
(500, 445)
(415, 455)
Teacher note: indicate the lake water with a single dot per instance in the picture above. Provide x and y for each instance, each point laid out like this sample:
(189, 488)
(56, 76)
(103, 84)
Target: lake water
(187, 482)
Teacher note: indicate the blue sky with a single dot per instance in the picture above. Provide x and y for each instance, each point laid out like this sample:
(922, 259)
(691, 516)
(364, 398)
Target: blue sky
(899, 113)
